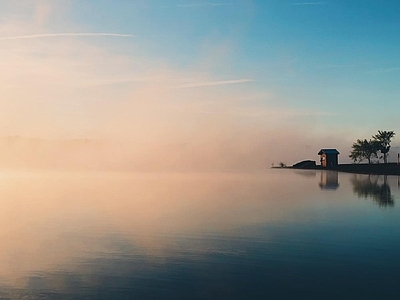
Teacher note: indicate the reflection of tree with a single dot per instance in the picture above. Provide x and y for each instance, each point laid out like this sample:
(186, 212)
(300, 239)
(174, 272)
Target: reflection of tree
(370, 187)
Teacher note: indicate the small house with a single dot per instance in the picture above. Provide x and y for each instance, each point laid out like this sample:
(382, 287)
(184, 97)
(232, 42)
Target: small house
(329, 158)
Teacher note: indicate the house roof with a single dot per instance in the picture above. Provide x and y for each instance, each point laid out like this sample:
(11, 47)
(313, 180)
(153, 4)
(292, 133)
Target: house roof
(328, 151)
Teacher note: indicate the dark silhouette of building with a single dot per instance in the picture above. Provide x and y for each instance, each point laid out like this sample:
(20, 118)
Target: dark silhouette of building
(329, 158)
(305, 164)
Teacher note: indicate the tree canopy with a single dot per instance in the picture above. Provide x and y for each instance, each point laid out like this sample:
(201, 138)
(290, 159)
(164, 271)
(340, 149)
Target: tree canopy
(364, 149)
(368, 149)
(384, 138)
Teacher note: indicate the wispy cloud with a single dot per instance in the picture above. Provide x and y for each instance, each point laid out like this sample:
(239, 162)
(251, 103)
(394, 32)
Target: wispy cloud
(277, 113)
(121, 80)
(309, 3)
(382, 70)
(203, 4)
(213, 83)
(338, 66)
(242, 111)
(52, 35)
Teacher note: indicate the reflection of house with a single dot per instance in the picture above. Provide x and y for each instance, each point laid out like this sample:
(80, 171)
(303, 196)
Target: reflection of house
(329, 180)
(329, 158)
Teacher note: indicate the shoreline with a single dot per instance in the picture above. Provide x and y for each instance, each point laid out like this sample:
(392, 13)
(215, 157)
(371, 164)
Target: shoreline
(378, 169)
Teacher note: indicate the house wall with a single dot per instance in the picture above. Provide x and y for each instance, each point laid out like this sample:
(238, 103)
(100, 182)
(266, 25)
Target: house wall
(323, 160)
(328, 161)
(332, 160)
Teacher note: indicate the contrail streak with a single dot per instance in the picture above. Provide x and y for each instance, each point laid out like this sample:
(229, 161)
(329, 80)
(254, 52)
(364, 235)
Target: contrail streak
(213, 83)
(50, 35)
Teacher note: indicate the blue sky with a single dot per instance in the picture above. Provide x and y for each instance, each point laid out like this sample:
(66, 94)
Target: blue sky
(303, 70)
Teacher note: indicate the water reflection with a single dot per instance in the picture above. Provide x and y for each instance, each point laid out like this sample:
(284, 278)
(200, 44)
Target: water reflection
(329, 180)
(192, 236)
(375, 187)
(306, 173)
(55, 221)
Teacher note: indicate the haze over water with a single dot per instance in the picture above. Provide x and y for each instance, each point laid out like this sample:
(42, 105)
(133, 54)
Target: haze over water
(276, 234)
(136, 139)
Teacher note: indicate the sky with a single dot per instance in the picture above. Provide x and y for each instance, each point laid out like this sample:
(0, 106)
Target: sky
(256, 82)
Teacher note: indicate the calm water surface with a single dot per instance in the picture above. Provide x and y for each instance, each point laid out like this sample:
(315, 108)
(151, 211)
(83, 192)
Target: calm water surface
(278, 235)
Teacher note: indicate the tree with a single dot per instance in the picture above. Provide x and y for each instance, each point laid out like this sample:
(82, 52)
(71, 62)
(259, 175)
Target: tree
(357, 154)
(383, 139)
(363, 149)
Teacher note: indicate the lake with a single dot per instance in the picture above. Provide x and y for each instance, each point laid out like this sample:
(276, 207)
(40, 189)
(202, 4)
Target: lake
(282, 234)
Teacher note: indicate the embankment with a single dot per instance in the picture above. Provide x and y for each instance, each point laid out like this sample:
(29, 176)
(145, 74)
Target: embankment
(381, 169)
